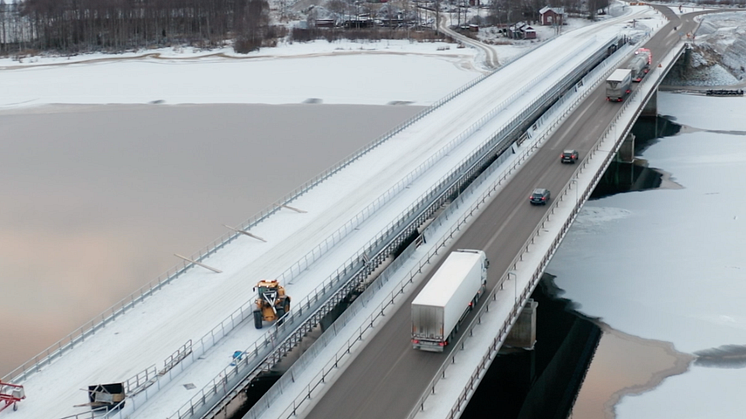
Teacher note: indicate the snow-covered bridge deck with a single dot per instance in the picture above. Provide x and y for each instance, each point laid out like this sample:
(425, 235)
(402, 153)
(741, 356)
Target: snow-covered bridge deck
(341, 214)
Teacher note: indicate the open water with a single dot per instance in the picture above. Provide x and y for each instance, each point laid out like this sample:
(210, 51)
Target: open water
(657, 253)
(97, 199)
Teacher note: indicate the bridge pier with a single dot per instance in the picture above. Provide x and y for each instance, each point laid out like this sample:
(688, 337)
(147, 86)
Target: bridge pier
(523, 332)
(626, 152)
(651, 107)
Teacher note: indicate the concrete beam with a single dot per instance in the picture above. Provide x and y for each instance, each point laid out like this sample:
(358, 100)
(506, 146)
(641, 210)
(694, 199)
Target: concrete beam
(244, 232)
(217, 271)
(293, 209)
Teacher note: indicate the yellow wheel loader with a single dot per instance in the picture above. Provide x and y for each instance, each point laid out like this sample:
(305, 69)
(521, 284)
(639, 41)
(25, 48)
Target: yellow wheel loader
(271, 302)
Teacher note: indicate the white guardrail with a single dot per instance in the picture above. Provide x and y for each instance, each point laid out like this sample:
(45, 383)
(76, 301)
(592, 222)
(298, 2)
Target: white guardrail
(219, 383)
(55, 350)
(288, 378)
(637, 100)
(245, 310)
(270, 339)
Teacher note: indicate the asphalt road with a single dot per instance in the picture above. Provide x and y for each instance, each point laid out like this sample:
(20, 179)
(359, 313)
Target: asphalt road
(490, 55)
(388, 376)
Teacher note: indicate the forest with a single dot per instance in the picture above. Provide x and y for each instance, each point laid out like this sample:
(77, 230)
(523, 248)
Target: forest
(30, 27)
(73, 26)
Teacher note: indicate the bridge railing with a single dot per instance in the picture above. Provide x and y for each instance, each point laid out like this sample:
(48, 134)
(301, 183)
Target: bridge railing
(599, 76)
(245, 310)
(79, 335)
(399, 290)
(332, 282)
(636, 99)
(528, 107)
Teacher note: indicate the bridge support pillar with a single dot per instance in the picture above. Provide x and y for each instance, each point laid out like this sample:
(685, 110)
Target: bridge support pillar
(651, 107)
(523, 333)
(627, 150)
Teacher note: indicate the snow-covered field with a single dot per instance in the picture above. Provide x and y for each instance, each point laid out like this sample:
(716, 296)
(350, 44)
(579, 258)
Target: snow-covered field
(345, 72)
(719, 52)
(336, 73)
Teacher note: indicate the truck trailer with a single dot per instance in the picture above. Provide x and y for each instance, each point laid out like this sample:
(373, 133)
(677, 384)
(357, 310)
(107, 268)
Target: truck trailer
(444, 302)
(638, 64)
(644, 52)
(619, 85)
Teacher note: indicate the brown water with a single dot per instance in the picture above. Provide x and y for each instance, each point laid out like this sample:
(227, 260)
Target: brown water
(625, 365)
(94, 200)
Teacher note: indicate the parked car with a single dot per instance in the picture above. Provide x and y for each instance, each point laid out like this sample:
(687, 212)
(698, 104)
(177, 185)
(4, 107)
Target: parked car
(569, 156)
(539, 196)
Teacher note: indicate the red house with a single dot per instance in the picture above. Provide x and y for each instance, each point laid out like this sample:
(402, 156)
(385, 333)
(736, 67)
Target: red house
(552, 15)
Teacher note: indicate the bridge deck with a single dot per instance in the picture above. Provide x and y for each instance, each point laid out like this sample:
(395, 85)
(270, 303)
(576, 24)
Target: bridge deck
(194, 304)
(387, 376)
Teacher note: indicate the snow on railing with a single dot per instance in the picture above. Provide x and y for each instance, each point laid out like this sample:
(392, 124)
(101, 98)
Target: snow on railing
(79, 335)
(392, 298)
(340, 273)
(332, 282)
(634, 98)
(243, 311)
(265, 402)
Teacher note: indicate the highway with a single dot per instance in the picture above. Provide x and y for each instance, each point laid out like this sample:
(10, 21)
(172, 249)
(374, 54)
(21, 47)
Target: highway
(388, 376)
(193, 311)
(491, 59)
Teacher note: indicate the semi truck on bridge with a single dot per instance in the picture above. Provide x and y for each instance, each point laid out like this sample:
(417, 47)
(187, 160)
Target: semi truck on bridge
(640, 64)
(619, 85)
(444, 302)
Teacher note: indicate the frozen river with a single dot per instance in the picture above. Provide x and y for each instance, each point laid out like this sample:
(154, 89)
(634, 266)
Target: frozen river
(663, 271)
(97, 199)
(664, 276)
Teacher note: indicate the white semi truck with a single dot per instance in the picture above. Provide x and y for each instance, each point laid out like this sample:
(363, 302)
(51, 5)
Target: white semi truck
(444, 302)
(619, 85)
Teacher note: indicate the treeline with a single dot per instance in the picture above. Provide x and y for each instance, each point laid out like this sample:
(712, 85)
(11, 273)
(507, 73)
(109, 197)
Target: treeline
(372, 34)
(505, 12)
(72, 26)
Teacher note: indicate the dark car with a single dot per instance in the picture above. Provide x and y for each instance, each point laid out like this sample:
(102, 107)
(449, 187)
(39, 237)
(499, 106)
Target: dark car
(539, 196)
(569, 156)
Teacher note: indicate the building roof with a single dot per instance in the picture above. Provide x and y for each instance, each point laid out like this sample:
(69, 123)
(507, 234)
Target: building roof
(556, 10)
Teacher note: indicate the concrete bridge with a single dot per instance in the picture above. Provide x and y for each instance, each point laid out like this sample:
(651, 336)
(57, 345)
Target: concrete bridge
(385, 377)
(465, 178)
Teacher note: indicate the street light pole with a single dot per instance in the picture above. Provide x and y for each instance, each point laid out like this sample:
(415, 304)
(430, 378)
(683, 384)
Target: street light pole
(575, 182)
(515, 285)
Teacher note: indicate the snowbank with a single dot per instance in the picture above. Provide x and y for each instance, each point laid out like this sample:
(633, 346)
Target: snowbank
(719, 52)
